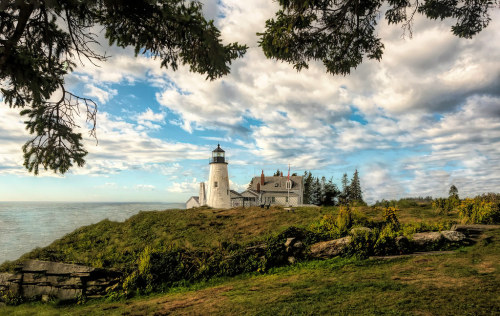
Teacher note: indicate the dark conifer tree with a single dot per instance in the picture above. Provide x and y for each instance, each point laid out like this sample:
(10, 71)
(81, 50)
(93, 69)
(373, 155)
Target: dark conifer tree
(344, 196)
(355, 192)
(308, 179)
(331, 192)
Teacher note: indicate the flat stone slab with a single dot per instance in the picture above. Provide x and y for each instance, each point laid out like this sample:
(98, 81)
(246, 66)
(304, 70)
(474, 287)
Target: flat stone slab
(330, 248)
(426, 238)
(55, 268)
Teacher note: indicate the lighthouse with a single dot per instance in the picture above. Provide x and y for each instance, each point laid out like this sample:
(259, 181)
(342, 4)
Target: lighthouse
(218, 180)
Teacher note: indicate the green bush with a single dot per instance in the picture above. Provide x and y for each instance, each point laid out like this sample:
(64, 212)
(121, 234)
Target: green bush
(445, 206)
(10, 298)
(409, 229)
(386, 240)
(479, 210)
(362, 244)
(391, 217)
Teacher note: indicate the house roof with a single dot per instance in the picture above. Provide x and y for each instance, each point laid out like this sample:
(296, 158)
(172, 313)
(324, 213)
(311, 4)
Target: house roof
(196, 198)
(235, 193)
(276, 183)
(250, 192)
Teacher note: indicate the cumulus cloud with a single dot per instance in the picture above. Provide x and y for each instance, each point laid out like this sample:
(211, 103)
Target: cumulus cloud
(102, 95)
(184, 187)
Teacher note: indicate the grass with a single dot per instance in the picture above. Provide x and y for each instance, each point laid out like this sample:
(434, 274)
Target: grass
(466, 282)
(114, 244)
(111, 244)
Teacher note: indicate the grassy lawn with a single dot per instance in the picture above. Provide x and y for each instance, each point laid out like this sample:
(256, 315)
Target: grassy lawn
(466, 282)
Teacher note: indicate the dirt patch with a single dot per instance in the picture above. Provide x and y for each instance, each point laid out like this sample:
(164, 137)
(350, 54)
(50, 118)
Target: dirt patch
(208, 298)
(438, 281)
(485, 267)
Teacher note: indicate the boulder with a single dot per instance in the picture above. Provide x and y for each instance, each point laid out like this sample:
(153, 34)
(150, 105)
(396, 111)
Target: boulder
(298, 245)
(289, 242)
(427, 238)
(331, 248)
(452, 235)
(358, 230)
(403, 244)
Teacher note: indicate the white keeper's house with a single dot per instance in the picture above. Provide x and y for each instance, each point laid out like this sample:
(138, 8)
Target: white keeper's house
(275, 190)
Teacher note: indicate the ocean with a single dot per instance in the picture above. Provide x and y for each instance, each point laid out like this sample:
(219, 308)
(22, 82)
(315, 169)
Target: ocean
(27, 225)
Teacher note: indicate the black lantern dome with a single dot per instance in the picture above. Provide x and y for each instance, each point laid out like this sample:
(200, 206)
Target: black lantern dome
(218, 155)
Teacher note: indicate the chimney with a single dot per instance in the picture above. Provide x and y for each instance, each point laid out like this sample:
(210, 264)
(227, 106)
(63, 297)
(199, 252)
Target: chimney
(281, 173)
(262, 178)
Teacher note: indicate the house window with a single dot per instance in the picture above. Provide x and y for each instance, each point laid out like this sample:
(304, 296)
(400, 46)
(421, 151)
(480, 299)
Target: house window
(216, 184)
(273, 199)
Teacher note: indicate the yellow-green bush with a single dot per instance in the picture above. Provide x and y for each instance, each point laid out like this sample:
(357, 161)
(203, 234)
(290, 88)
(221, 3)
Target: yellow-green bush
(390, 216)
(445, 206)
(479, 211)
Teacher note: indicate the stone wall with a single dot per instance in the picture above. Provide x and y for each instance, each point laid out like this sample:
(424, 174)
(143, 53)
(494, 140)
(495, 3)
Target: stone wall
(35, 279)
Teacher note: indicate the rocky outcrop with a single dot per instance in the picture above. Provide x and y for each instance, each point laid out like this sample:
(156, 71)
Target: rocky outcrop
(331, 248)
(360, 230)
(36, 279)
(473, 231)
(426, 238)
(453, 235)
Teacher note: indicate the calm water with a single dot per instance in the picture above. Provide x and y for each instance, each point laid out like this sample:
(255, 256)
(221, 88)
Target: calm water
(27, 225)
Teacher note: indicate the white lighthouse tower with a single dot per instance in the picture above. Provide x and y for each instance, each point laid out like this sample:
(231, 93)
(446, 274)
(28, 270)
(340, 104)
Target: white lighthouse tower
(218, 180)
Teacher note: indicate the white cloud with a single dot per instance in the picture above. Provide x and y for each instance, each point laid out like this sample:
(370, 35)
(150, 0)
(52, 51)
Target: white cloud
(102, 95)
(145, 187)
(184, 187)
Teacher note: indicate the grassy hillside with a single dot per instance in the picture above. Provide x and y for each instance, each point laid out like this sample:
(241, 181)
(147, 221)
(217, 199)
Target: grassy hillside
(466, 282)
(116, 244)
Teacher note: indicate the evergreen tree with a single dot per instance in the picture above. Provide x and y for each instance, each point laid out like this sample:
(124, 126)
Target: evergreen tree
(308, 179)
(344, 196)
(315, 197)
(342, 33)
(277, 173)
(355, 193)
(331, 192)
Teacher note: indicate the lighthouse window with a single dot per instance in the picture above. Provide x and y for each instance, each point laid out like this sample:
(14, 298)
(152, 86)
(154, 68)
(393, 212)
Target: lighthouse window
(216, 184)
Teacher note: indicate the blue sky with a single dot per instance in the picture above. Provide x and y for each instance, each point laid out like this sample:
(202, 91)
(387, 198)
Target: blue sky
(425, 117)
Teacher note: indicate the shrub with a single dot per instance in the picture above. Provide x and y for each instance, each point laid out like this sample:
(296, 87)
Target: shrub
(10, 298)
(412, 228)
(386, 240)
(326, 227)
(445, 206)
(390, 216)
(344, 219)
(362, 244)
(479, 210)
